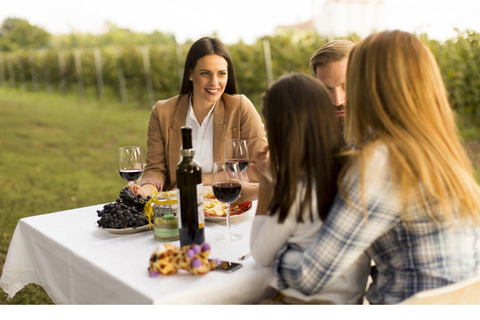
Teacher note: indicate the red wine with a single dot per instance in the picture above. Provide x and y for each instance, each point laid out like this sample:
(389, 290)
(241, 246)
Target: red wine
(242, 164)
(227, 192)
(131, 175)
(191, 220)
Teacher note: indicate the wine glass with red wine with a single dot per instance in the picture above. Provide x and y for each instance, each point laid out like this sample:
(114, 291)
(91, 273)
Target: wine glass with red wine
(226, 188)
(130, 163)
(236, 151)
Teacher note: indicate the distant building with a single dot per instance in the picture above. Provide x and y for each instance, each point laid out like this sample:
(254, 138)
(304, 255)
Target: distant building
(338, 18)
(305, 27)
(297, 31)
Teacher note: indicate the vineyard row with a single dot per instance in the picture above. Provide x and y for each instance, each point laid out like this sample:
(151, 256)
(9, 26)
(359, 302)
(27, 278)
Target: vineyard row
(146, 74)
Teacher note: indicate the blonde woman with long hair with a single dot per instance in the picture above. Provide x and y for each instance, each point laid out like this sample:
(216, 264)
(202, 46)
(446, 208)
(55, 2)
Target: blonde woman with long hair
(407, 195)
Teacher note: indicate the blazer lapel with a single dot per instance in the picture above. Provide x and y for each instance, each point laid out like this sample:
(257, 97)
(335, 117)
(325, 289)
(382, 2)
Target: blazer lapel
(218, 130)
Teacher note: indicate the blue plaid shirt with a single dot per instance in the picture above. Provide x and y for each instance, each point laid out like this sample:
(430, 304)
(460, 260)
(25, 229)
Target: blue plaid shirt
(409, 258)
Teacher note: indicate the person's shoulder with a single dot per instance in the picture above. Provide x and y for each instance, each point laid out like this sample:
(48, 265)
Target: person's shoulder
(375, 148)
(373, 155)
(375, 158)
(236, 99)
(239, 102)
(380, 150)
(169, 105)
(166, 103)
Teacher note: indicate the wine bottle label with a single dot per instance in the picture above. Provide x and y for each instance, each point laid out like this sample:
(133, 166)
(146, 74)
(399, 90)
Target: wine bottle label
(179, 210)
(201, 213)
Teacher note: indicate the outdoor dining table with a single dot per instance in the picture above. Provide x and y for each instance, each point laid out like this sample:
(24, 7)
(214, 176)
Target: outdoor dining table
(77, 262)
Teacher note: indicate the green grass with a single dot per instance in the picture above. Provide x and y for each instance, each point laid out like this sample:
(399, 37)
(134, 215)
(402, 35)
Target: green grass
(59, 153)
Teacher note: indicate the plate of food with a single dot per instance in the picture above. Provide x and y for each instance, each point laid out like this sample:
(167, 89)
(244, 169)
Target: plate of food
(216, 211)
(126, 230)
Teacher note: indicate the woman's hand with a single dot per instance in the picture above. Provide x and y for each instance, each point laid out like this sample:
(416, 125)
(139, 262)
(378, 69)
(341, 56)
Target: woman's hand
(261, 167)
(207, 179)
(249, 193)
(144, 191)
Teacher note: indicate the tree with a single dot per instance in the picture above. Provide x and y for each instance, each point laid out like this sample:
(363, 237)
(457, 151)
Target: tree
(16, 33)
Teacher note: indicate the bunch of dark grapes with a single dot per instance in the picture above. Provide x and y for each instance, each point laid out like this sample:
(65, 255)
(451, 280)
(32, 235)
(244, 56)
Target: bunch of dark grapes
(127, 211)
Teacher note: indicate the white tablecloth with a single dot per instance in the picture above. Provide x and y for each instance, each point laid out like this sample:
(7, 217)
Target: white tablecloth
(78, 263)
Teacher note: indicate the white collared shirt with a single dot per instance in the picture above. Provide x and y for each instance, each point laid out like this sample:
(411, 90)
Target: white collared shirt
(202, 137)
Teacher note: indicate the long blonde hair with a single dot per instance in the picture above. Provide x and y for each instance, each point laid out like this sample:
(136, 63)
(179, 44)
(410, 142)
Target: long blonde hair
(396, 96)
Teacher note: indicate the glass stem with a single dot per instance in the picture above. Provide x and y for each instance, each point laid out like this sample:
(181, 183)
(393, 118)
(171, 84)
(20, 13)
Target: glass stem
(228, 218)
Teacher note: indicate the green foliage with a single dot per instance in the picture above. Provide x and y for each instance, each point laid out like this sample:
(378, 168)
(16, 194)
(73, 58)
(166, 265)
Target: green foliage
(166, 78)
(113, 36)
(459, 61)
(249, 68)
(125, 75)
(18, 34)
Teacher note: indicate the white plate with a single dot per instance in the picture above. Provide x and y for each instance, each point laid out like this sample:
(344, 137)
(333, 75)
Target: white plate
(126, 230)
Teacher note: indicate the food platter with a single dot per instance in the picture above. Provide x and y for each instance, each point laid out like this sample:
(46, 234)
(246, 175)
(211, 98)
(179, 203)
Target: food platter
(215, 211)
(126, 230)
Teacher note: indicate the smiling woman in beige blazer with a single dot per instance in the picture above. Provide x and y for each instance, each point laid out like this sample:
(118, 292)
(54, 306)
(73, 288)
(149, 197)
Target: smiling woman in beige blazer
(209, 91)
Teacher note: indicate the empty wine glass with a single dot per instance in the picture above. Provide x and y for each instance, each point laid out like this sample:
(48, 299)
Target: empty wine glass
(236, 151)
(130, 163)
(226, 188)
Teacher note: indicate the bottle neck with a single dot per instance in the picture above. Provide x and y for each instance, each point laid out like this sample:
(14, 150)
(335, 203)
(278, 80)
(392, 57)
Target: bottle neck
(187, 153)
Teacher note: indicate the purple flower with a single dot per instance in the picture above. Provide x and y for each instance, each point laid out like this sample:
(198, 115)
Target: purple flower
(196, 263)
(196, 248)
(154, 274)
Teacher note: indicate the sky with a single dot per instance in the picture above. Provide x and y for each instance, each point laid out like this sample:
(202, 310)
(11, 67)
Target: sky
(232, 20)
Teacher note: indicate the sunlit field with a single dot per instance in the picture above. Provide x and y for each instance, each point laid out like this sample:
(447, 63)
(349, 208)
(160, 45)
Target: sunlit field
(58, 153)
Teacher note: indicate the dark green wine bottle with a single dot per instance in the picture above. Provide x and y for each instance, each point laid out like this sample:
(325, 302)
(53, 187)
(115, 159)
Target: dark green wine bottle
(191, 221)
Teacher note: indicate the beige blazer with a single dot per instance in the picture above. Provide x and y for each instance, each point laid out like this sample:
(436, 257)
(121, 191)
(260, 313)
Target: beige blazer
(234, 117)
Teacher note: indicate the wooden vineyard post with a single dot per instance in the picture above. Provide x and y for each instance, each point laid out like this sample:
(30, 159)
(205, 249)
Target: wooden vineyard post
(78, 68)
(2, 71)
(33, 72)
(61, 64)
(21, 73)
(121, 79)
(11, 72)
(268, 61)
(46, 73)
(148, 79)
(98, 70)
(180, 66)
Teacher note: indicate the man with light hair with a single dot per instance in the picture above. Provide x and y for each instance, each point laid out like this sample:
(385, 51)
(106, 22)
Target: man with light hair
(329, 66)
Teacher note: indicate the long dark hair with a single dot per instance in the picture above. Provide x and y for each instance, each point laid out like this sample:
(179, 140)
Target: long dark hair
(305, 140)
(203, 47)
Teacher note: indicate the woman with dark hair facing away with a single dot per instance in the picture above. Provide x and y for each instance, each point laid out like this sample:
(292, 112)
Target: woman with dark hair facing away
(407, 194)
(208, 103)
(298, 174)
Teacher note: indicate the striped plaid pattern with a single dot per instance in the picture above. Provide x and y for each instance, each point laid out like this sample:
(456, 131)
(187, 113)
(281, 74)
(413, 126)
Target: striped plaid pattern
(409, 258)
